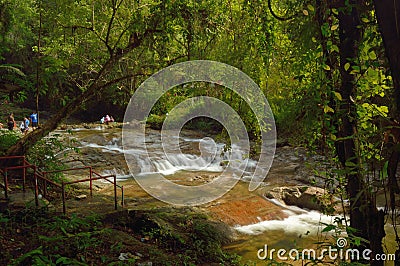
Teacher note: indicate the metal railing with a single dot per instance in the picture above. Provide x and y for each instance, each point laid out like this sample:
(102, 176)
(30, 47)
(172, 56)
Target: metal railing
(42, 177)
(6, 169)
(90, 180)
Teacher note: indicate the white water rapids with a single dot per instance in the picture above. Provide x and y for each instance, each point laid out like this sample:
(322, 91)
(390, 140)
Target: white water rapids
(152, 159)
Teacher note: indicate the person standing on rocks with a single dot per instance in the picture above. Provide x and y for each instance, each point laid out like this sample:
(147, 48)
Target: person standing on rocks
(25, 126)
(10, 122)
(34, 120)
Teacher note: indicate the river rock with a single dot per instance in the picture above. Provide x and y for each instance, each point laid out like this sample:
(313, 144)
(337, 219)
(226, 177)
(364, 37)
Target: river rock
(73, 163)
(305, 197)
(93, 125)
(289, 168)
(135, 124)
(95, 138)
(80, 197)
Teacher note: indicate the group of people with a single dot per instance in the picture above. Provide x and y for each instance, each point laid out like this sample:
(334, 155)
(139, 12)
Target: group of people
(24, 126)
(106, 119)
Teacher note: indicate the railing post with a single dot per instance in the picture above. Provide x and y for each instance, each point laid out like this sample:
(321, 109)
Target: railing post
(63, 197)
(36, 187)
(24, 175)
(44, 188)
(115, 192)
(122, 196)
(90, 181)
(45, 184)
(5, 183)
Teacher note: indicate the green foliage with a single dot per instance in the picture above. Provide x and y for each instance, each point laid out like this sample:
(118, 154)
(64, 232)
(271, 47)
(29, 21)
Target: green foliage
(205, 124)
(73, 224)
(191, 235)
(77, 38)
(75, 233)
(9, 69)
(36, 257)
(95, 240)
(47, 152)
(7, 139)
(155, 121)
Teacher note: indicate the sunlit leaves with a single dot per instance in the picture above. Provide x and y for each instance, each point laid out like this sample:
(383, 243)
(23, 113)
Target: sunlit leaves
(364, 19)
(355, 69)
(338, 95)
(372, 55)
(334, 48)
(334, 27)
(326, 67)
(370, 110)
(328, 109)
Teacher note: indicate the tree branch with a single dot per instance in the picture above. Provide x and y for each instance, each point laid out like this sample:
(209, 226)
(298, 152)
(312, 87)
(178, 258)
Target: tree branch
(24, 144)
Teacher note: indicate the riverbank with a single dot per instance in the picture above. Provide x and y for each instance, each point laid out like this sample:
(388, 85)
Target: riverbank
(165, 236)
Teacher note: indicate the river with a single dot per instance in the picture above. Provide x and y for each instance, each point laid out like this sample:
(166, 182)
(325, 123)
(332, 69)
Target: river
(260, 224)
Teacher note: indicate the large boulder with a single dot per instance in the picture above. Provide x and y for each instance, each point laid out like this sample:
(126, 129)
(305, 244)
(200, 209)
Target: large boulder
(306, 197)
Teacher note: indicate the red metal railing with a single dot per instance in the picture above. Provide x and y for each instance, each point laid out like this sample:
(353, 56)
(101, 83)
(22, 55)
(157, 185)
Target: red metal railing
(90, 179)
(5, 170)
(114, 182)
(41, 176)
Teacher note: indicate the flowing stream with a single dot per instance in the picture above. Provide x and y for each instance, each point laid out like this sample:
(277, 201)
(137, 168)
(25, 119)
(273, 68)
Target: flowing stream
(274, 225)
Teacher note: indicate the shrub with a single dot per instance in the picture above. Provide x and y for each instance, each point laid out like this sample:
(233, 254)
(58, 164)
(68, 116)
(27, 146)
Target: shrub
(7, 139)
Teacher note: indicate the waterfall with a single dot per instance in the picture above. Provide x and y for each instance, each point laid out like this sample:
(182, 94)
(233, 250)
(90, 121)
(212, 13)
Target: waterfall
(155, 160)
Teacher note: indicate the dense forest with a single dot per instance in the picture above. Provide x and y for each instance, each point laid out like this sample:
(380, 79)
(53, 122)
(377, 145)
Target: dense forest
(329, 69)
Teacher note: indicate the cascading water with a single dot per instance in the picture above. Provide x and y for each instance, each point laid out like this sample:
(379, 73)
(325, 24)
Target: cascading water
(152, 158)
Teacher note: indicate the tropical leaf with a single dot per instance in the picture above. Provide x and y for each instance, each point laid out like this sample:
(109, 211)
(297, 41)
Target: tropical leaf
(11, 70)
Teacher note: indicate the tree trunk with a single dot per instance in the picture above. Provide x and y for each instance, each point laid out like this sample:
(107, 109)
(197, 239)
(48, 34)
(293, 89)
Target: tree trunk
(39, 62)
(350, 37)
(388, 16)
(364, 217)
(99, 84)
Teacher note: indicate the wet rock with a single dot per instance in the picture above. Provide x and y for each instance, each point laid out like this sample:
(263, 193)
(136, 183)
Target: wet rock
(95, 138)
(308, 198)
(74, 163)
(203, 178)
(94, 125)
(134, 124)
(80, 197)
(20, 199)
(127, 256)
(305, 197)
(289, 168)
